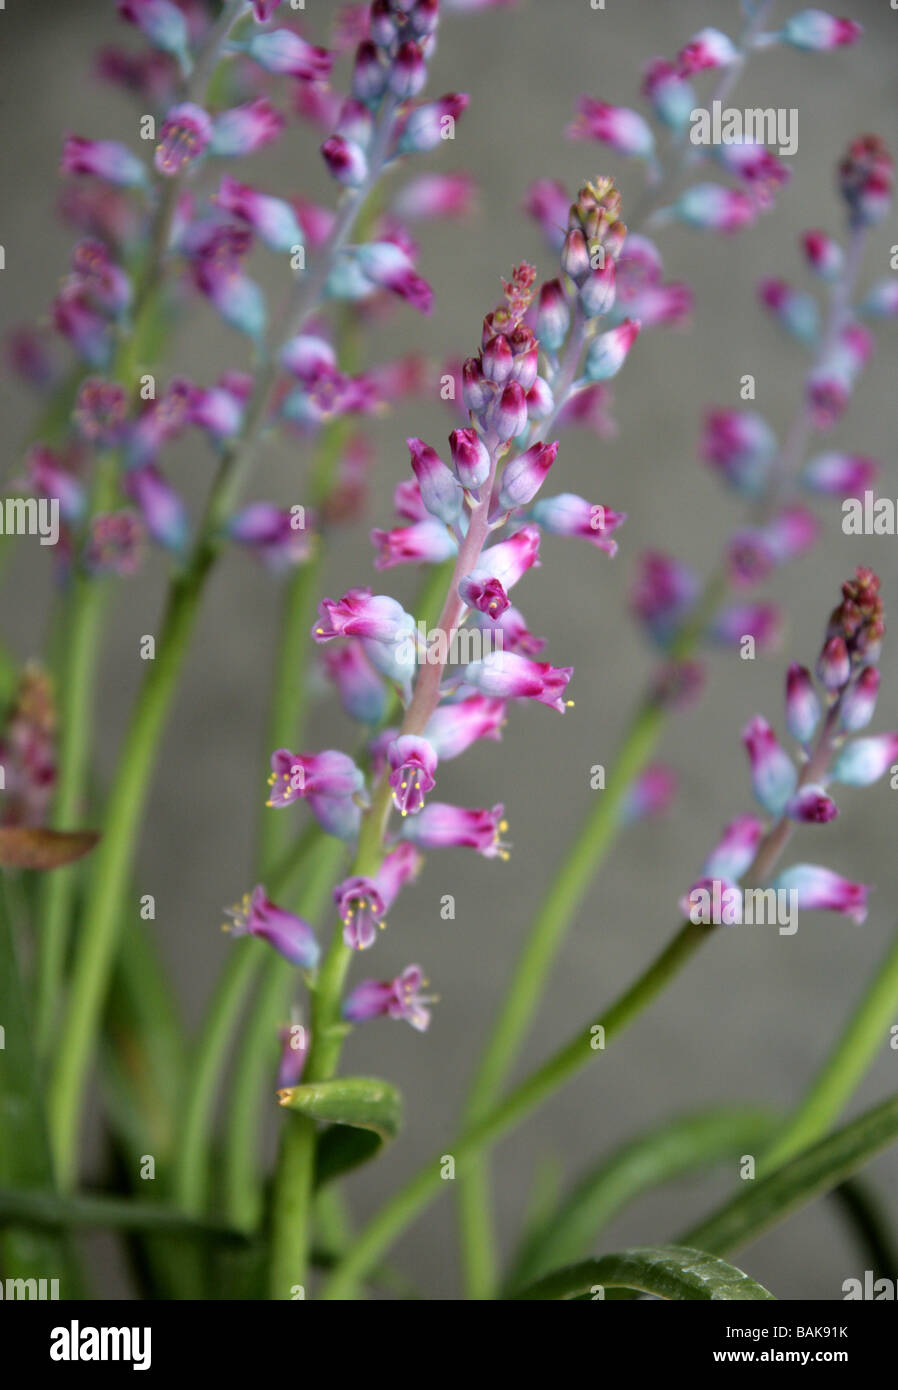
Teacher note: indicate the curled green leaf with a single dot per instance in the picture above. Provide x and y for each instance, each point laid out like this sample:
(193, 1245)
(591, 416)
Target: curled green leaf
(361, 1102)
(672, 1272)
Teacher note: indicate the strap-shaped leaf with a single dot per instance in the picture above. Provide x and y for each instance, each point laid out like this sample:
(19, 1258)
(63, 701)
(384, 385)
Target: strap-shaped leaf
(363, 1102)
(672, 1272)
(679, 1146)
(817, 1170)
(51, 1210)
(23, 847)
(25, 1160)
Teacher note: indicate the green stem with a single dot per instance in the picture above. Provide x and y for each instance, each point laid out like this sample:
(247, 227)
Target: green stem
(256, 1060)
(291, 1200)
(245, 961)
(112, 865)
(292, 1197)
(254, 1057)
(113, 862)
(77, 686)
(864, 1034)
(392, 1219)
(191, 1183)
(289, 707)
(555, 913)
(290, 698)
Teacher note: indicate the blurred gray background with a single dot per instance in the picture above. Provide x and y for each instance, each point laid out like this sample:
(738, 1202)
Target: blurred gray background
(754, 1015)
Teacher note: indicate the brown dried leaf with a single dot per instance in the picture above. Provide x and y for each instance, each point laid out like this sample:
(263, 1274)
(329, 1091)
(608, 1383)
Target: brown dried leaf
(26, 847)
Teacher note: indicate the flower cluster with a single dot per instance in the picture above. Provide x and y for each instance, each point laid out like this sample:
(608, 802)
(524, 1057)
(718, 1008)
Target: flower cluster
(483, 512)
(670, 92)
(28, 750)
(742, 448)
(822, 718)
(178, 213)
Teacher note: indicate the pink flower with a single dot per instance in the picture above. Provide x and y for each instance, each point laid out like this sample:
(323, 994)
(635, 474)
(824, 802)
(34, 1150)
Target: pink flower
(773, 775)
(821, 889)
(506, 675)
(570, 515)
(291, 937)
(185, 136)
(802, 704)
(361, 690)
(270, 531)
(452, 728)
(295, 1043)
(840, 475)
(711, 207)
(423, 128)
(424, 542)
(709, 48)
(106, 159)
(624, 130)
(360, 614)
(413, 762)
(548, 203)
(441, 826)
(273, 219)
(608, 352)
(297, 775)
(398, 998)
(283, 51)
(811, 806)
(346, 161)
(246, 129)
(824, 255)
(363, 902)
(436, 196)
(733, 854)
(819, 32)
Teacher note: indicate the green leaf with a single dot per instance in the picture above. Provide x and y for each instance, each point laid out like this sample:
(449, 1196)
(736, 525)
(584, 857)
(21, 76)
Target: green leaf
(98, 1211)
(866, 1216)
(24, 1143)
(361, 1102)
(341, 1149)
(679, 1146)
(22, 847)
(668, 1271)
(763, 1203)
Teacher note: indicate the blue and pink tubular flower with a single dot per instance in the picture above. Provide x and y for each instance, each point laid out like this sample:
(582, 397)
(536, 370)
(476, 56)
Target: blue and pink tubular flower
(483, 510)
(823, 718)
(116, 196)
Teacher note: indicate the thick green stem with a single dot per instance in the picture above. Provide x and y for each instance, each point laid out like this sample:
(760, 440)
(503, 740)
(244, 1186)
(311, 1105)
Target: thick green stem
(586, 1043)
(291, 1201)
(865, 1033)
